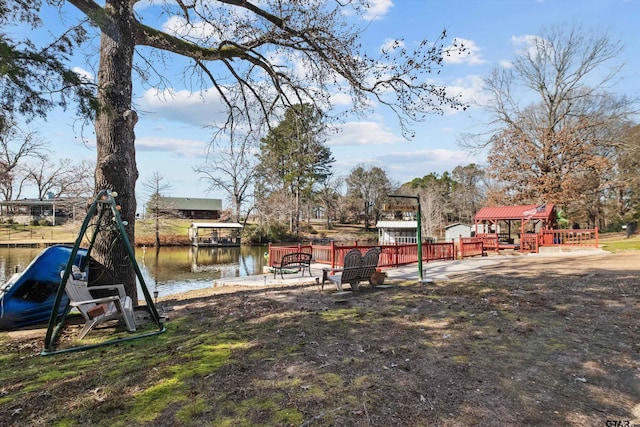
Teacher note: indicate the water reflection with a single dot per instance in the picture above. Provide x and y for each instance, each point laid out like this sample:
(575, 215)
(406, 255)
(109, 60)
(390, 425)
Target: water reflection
(169, 270)
(15, 259)
(172, 270)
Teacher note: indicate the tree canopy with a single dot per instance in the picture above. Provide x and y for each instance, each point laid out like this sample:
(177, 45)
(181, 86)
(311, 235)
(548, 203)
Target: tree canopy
(233, 170)
(34, 79)
(260, 58)
(293, 159)
(368, 186)
(554, 125)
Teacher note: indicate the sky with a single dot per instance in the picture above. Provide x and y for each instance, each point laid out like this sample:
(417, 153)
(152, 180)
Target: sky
(171, 137)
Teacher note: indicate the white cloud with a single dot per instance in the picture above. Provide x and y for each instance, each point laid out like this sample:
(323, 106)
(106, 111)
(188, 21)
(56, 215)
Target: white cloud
(363, 133)
(198, 30)
(527, 43)
(148, 3)
(415, 164)
(179, 146)
(378, 9)
(391, 44)
(471, 55)
(84, 74)
(198, 109)
(403, 166)
(340, 99)
(526, 40)
(433, 156)
(470, 90)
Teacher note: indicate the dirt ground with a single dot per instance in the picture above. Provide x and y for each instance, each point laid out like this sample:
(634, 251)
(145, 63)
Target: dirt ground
(551, 340)
(536, 341)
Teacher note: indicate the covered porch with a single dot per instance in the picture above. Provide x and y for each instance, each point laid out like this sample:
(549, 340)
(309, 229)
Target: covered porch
(397, 232)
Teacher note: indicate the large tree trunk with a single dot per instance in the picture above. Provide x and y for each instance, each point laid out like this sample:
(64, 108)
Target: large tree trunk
(116, 165)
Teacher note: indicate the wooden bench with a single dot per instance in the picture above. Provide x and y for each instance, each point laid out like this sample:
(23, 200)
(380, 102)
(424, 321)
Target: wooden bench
(357, 268)
(296, 260)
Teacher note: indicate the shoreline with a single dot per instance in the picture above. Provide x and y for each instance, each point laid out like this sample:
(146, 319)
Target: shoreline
(33, 243)
(433, 272)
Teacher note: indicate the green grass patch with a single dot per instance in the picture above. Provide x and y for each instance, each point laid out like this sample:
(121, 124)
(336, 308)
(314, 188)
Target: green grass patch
(150, 403)
(202, 360)
(626, 245)
(188, 414)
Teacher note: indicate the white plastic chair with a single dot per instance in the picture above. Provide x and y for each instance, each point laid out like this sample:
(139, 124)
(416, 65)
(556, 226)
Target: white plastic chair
(113, 307)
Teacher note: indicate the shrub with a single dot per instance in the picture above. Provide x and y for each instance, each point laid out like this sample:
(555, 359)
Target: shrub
(44, 223)
(308, 228)
(252, 233)
(256, 234)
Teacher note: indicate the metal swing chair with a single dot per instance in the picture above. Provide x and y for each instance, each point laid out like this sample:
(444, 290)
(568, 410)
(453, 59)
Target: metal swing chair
(112, 306)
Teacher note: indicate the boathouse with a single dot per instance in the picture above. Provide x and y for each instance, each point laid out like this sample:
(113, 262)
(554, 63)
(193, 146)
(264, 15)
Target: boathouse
(206, 234)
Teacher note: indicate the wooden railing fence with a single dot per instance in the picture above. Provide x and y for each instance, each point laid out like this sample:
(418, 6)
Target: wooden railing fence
(402, 254)
(390, 256)
(584, 238)
(471, 246)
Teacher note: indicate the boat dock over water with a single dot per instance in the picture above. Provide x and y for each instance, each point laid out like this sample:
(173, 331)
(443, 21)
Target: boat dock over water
(215, 234)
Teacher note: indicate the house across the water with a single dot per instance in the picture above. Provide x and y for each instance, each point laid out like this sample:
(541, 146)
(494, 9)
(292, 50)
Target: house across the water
(52, 209)
(190, 207)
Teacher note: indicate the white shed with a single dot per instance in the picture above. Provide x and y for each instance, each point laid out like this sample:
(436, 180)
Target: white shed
(454, 231)
(392, 232)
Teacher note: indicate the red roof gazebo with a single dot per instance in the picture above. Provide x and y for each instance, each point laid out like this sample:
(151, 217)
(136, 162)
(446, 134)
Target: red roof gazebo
(536, 226)
(489, 220)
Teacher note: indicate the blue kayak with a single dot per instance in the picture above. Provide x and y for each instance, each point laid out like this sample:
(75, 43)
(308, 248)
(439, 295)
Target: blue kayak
(28, 297)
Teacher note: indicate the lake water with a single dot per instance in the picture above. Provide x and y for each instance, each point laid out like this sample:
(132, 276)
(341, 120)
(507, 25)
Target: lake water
(173, 270)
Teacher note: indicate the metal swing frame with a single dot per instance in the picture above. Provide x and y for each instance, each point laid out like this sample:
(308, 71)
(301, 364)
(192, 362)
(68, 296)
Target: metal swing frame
(105, 200)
